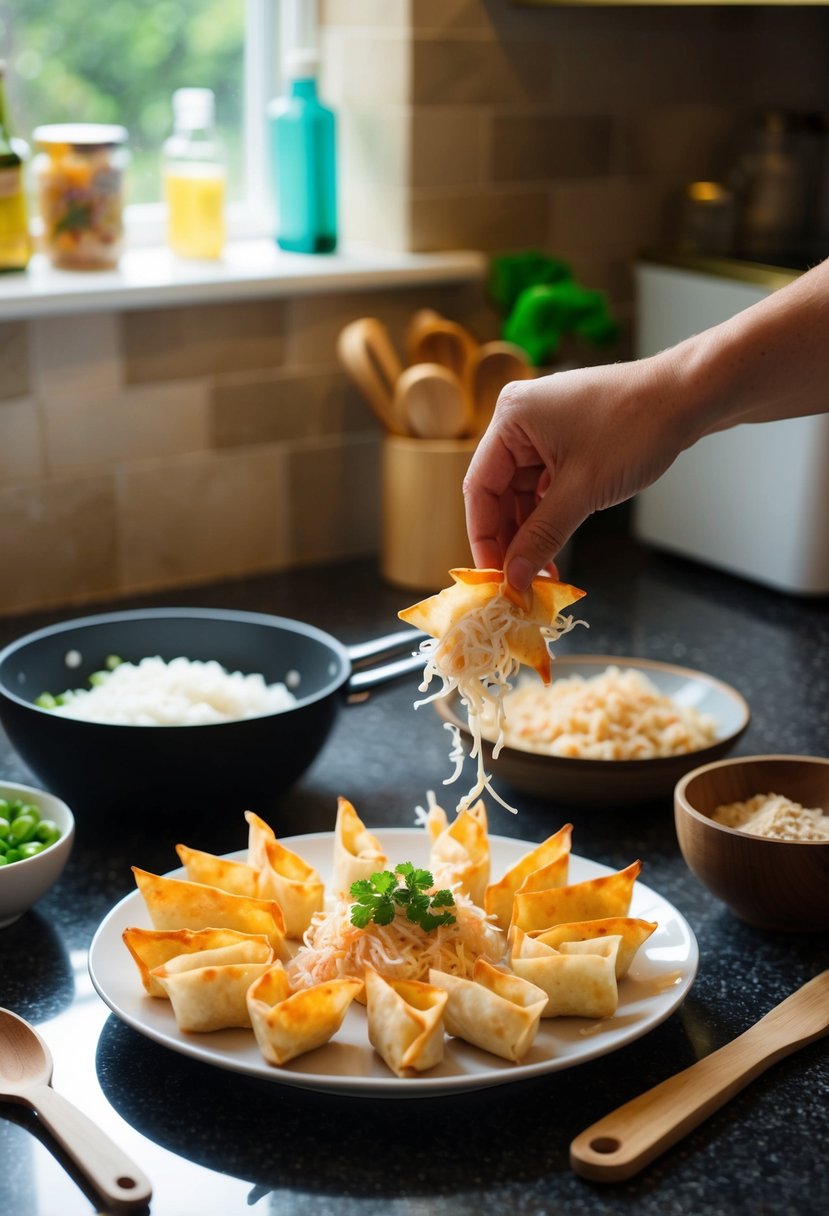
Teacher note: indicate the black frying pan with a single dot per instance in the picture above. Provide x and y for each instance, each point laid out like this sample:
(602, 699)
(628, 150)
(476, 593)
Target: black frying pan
(247, 763)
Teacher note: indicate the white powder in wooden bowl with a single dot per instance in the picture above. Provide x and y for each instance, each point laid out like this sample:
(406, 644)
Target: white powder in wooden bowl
(775, 816)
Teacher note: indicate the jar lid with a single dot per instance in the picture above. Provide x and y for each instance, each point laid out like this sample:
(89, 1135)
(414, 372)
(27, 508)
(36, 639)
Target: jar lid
(80, 134)
(301, 63)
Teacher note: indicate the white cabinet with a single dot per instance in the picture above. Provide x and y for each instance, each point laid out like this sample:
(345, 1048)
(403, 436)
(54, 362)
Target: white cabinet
(753, 500)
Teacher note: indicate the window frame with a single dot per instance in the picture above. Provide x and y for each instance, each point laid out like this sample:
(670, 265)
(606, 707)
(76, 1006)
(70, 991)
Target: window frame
(270, 26)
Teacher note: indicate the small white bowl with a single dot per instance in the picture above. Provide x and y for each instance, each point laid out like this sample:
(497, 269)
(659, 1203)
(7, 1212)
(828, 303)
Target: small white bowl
(22, 883)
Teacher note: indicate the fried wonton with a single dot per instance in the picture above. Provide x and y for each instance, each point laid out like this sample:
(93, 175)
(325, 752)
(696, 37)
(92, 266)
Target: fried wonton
(474, 589)
(632, 933)
(232, 876)
(405, 1022)
(608, 895)
(460, 853)
(174, 903)
(579, 979)
(259, 835)
(357, 853)
(499, 895)
(151, 948)
(289, 1023)
(295, 885)
(495, 1011)
(208, 989)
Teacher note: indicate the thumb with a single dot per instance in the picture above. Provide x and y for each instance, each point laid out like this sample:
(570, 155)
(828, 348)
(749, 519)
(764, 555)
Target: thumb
(543, 534)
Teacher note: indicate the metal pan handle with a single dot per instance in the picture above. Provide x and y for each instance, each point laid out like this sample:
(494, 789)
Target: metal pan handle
(362, 681)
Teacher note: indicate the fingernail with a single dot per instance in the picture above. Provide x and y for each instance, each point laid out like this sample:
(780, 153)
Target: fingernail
(520, 573)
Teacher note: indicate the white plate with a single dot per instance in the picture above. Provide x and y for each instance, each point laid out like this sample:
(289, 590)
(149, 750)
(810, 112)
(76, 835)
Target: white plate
(658, 982)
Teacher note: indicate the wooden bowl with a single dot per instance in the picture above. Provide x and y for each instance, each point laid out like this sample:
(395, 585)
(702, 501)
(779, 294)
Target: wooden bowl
(773, 884)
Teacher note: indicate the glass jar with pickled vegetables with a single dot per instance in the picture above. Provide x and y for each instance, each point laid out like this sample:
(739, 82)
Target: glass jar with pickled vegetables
(80, 186)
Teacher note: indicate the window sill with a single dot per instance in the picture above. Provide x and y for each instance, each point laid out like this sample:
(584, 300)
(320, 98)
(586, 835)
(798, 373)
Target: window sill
(149, 278)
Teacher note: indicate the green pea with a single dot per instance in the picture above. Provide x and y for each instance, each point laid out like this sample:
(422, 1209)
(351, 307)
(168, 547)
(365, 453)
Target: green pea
(47, 832)
(46, 701)
(31, 849)
(22, 830)
(112, 661)
(4, 827)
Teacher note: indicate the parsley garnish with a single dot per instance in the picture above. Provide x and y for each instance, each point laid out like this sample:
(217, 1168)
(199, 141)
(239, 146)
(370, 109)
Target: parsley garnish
(379, 897)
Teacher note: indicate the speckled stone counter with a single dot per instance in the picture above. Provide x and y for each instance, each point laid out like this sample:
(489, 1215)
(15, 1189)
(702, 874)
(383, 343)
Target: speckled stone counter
(214, 1142)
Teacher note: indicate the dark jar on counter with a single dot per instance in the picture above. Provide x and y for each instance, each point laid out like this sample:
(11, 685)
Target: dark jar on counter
(79, 173)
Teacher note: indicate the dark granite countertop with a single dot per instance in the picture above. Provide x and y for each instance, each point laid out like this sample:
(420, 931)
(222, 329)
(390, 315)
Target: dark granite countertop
(214, 1142)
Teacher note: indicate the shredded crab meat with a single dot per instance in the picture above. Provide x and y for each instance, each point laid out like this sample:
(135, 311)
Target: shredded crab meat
(334, 948)
(474, 658)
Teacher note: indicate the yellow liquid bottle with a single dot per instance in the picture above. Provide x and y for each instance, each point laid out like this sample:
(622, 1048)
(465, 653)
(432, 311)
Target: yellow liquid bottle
(15, 247)
(194, 178)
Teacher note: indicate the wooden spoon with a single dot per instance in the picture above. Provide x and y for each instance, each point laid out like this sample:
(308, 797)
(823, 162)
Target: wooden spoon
(494, 365)
(622, 1143)
(366, 352)
(430, 403)
(440, 340)
(25, 1073)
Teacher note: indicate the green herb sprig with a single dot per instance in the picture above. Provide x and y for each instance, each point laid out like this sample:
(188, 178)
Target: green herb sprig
(379, 897)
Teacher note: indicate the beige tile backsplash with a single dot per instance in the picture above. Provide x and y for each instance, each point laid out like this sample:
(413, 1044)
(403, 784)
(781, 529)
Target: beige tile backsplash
(163, 447)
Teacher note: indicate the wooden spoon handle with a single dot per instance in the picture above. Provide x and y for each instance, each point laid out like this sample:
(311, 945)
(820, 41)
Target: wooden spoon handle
(622, 1143)
(110, 1171)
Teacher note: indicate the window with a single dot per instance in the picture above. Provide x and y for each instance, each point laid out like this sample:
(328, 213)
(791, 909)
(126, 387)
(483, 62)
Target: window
(121, 61)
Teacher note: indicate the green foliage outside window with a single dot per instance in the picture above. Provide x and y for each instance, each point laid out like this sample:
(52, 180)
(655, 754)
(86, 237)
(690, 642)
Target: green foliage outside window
(120, 62)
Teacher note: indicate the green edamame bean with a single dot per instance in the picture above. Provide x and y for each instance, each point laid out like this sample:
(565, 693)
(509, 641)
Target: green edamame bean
(31, 849)
(4, 848)
(22, 830)
(4, 861)
(4, 827)
(47, 832)
(4, 808)
(32, 811)
(13, 855)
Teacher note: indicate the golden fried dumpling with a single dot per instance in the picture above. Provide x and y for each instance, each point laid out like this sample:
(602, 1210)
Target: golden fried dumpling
(288, 1023)
(405, 1022)
(294, 884)
(357, 853)
(208, 989)
(260, 834)
(632, 933)
(473, 589)
(152, 948)
(233, 876)
(496, 1011)
(174, 903)
(579, 979)
(460, 852)
(608, 895)
(499, 895)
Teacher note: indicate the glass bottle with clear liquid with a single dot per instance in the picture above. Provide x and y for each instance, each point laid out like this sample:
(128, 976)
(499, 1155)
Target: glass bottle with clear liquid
(195, 178)
(15, 246)
(303, 155)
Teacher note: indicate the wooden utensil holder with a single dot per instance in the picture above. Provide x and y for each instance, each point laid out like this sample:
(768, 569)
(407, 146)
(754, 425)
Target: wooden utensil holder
(424, 525)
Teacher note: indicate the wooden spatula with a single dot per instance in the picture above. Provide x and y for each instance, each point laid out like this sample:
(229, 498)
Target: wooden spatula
(622, 1143)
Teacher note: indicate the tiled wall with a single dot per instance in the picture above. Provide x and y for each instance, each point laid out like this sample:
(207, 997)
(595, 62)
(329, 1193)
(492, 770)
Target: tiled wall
(167, 447)
(164, 447)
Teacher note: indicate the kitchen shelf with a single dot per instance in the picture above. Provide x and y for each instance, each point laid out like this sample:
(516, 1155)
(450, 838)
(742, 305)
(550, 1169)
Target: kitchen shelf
(256, 269)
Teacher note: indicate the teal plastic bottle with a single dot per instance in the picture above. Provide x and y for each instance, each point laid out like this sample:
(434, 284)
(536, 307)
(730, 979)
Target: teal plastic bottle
(304, 159)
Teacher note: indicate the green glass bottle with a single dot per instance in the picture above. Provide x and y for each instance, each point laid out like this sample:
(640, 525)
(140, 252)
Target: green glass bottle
(15, 246)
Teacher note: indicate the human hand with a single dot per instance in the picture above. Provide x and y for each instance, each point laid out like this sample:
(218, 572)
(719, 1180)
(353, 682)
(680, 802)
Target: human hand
(561, 447)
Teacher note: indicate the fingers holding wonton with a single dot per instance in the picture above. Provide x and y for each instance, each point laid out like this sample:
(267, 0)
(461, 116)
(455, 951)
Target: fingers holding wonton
(289, 1023)
(537, 610)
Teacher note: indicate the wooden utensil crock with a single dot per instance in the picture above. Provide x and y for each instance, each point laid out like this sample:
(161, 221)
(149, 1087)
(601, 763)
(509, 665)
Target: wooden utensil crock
(424, 524)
